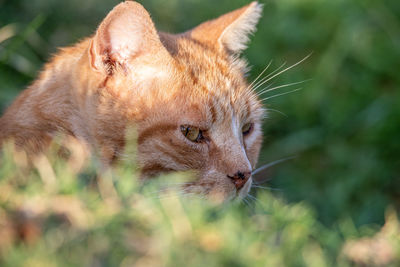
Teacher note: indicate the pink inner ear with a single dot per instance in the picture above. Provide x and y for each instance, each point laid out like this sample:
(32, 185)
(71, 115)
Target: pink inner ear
(126, 31)
(126, 38)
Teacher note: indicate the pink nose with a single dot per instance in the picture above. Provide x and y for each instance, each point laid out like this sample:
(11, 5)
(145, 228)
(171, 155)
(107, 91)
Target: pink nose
(239, 179)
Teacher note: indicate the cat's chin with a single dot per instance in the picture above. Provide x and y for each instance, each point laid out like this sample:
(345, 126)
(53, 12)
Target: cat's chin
(242, 193)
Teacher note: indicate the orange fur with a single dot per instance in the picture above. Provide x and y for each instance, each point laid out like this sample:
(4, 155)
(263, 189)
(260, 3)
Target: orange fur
(128, 74)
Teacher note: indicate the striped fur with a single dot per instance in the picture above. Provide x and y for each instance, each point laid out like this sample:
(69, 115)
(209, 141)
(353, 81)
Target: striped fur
(128, 74)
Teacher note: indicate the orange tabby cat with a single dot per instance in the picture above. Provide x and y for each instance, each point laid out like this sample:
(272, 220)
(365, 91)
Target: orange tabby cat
(185, 94)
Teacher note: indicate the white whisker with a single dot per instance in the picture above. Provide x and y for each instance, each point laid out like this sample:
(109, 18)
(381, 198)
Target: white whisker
(246, 202)
(266, 166)
(267, 89)
(285, 93)
(254, 198)
(278, 111)
(256, 185)
(264, 80)
(259, 186)
(282, 71)
(259, 75)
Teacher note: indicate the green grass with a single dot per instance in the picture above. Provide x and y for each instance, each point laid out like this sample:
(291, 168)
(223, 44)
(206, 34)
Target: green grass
(56, 212)
(343, 127)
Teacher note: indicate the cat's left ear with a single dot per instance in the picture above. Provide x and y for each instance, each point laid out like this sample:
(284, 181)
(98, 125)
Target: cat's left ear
(230, 31)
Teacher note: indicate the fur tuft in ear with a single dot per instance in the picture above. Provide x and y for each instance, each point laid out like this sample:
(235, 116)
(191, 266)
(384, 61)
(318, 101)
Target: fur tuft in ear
(230, 31)
(126, 32)
(236, 36)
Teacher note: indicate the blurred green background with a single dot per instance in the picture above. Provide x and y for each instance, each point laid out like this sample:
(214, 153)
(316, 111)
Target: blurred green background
(343, 126)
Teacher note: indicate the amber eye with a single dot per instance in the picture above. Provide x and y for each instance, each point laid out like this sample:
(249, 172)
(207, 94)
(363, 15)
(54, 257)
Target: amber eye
(192, 133)
(246, 129)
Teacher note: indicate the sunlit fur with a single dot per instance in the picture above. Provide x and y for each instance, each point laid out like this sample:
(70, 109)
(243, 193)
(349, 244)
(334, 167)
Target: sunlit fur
(128, 74)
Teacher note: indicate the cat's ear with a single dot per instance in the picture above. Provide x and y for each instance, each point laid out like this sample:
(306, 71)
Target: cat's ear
(230, 31)
(126, 32)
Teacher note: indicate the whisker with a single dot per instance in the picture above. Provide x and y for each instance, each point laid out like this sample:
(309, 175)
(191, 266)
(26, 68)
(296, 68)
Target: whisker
(259, 186)
(259, 75)
(266, 166)
(267, 89)
(263, 80)
(246, 202)
(251, 197)
(256, 185)
(254, 198)
(278, 111)
(285, 93)
(284, 70)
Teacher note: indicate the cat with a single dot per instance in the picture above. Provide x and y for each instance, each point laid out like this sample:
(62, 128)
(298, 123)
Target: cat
(185, 94)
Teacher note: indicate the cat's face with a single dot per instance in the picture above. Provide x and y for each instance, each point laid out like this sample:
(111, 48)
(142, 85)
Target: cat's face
(196, 110)
(208, 121)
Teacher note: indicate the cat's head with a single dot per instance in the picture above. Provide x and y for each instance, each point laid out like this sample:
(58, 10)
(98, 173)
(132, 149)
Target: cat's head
(191, 103)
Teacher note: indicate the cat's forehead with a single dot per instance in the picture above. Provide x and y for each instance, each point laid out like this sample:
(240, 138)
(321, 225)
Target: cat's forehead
(208, 87)
(214, 103)
(215, 79)
(204, 61)
(203, 69)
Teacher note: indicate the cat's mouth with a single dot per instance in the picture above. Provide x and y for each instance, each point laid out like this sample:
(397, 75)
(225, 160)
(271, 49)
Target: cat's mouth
(214, 186)
(242, 193)
(219, 193)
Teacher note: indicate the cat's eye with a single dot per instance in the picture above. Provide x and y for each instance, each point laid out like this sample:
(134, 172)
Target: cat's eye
(246, 129)
(192, 133)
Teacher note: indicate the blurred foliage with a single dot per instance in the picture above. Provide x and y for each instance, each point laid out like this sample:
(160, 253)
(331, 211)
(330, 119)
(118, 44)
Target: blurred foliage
(343, 127)
(63, 212)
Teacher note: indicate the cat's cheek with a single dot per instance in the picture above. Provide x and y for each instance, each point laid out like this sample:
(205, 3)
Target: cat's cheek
(253, 149)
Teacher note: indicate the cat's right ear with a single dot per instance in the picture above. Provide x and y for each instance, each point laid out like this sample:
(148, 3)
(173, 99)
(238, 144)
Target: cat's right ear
(126, 33)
